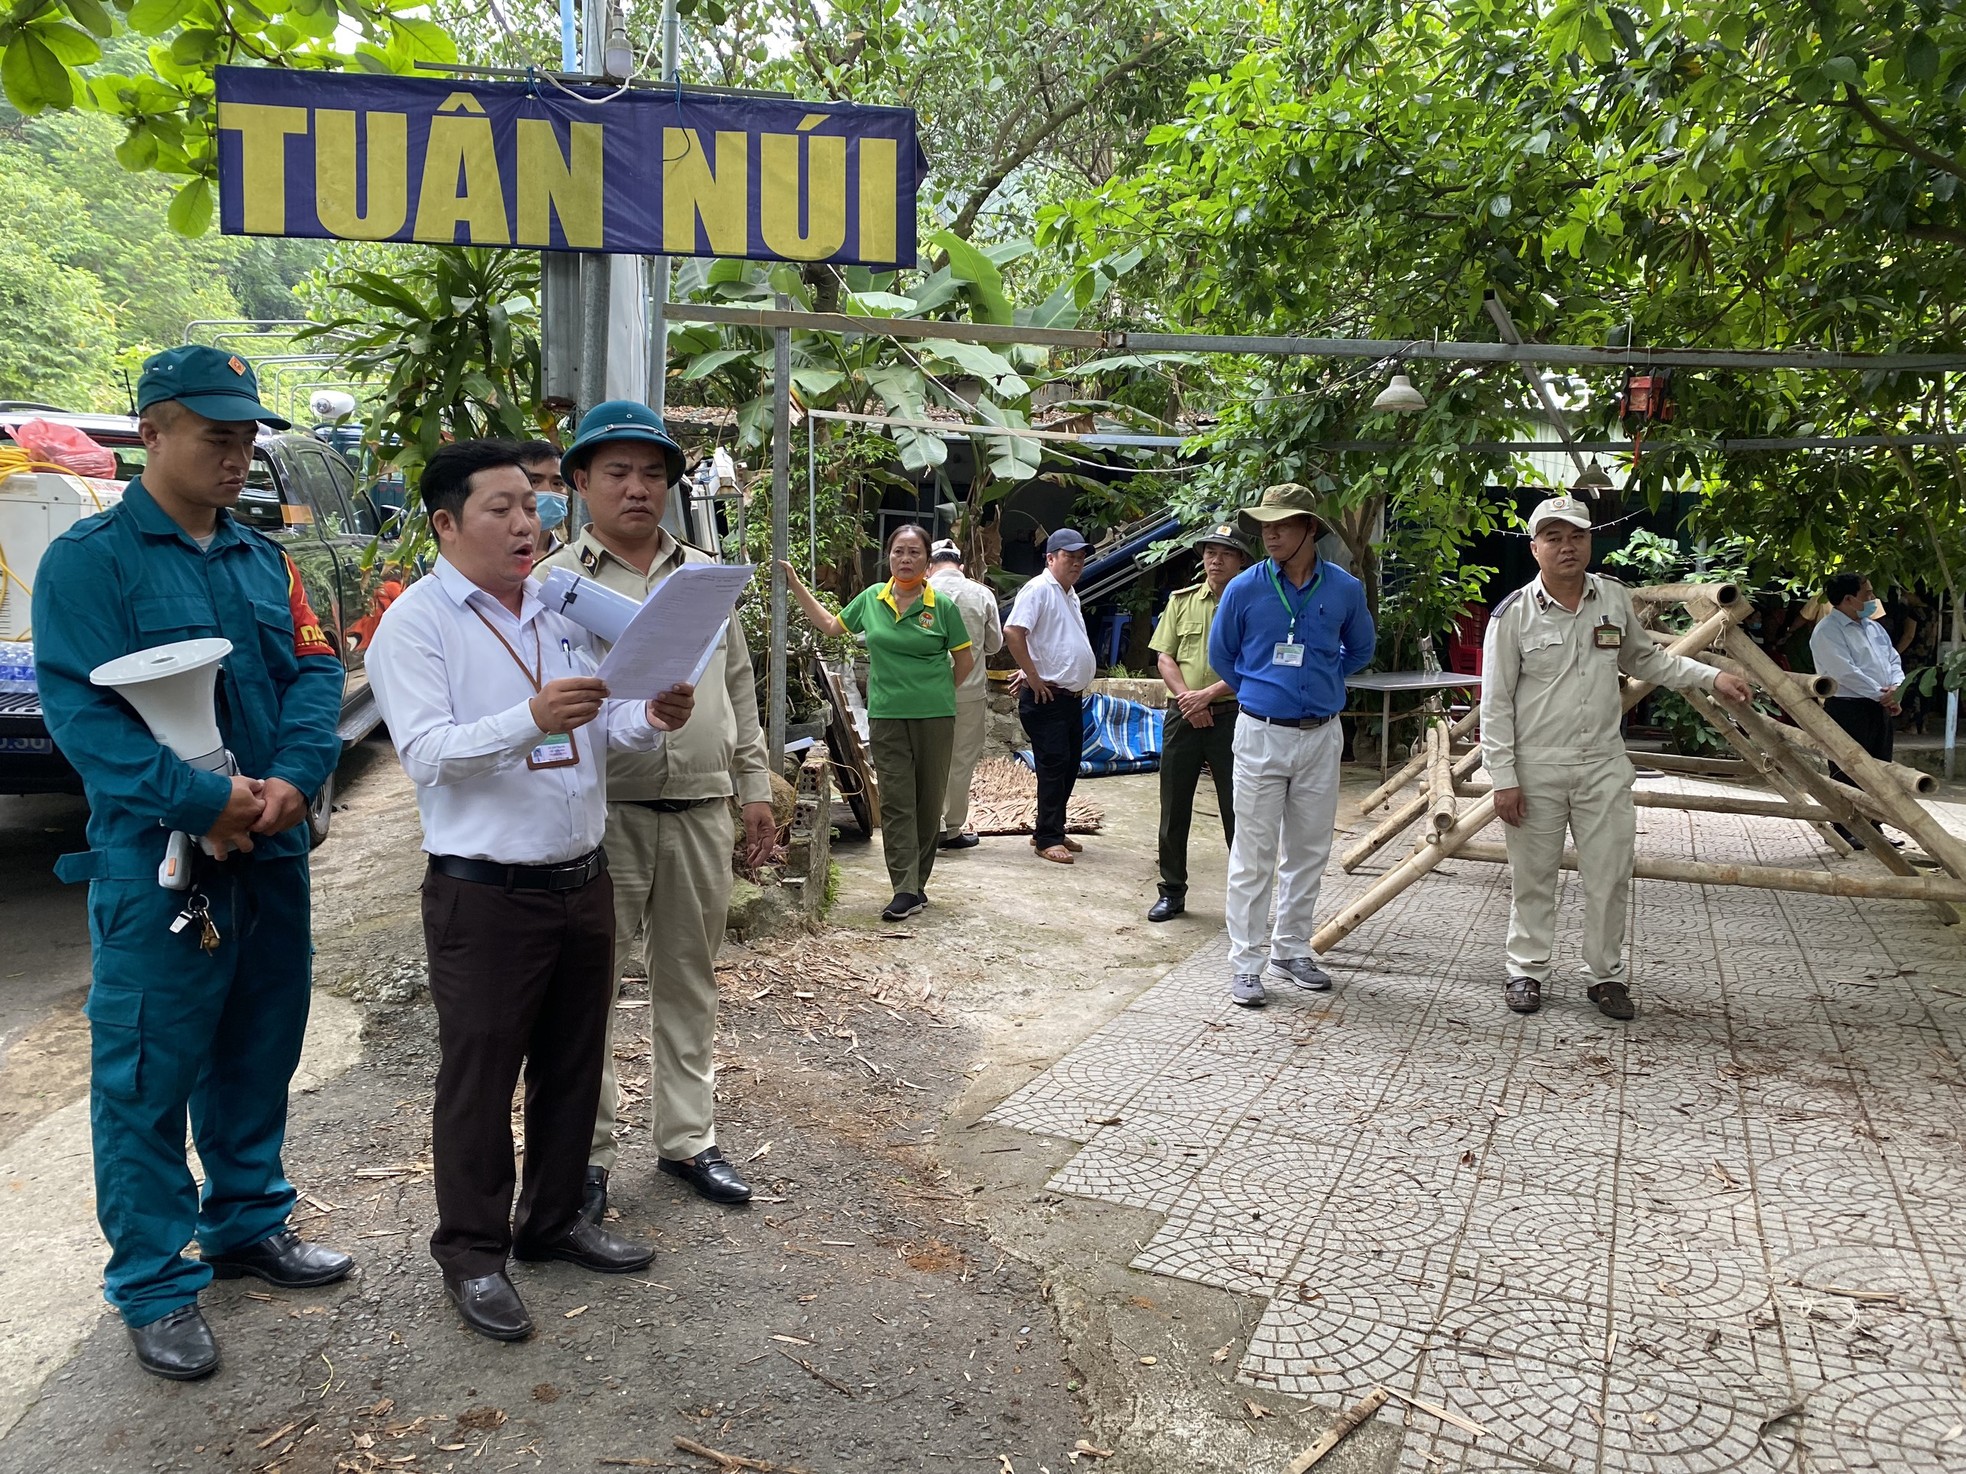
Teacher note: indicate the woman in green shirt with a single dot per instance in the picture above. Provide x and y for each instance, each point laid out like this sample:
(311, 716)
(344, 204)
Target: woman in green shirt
(911, 636)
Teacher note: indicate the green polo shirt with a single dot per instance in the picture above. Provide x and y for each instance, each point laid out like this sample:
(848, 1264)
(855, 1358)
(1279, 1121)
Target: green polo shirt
(908, 650)
(1183, 633)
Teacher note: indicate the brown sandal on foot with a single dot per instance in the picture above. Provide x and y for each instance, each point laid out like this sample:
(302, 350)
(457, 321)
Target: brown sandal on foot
(1057, 854)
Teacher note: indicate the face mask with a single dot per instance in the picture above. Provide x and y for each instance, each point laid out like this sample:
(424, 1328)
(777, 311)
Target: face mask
(552, 508)
(1870, 610)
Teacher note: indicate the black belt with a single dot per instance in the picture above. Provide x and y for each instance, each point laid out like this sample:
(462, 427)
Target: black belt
(669, 805)
(568, 877)
(1305, 722)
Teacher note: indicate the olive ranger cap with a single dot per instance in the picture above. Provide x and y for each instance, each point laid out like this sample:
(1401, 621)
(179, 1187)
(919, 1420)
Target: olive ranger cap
(206, 381)
(621, 419)
(1560, 509)
(1224, 535)
(1286, 500)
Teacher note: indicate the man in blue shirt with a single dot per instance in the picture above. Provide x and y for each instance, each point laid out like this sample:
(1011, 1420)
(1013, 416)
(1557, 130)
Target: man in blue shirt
(199, 998)
(1287, 633)
(1851, 647)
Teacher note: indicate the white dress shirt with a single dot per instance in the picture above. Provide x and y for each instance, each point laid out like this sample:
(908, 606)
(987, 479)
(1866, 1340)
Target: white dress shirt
(456, 704)
(1858, 654)
(1054, 627)
(978, 605)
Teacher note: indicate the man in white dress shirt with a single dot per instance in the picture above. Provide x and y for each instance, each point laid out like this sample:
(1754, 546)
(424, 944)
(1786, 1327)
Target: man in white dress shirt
(500, 721)
(1853, 648)
(977, 602)
(1047, 639)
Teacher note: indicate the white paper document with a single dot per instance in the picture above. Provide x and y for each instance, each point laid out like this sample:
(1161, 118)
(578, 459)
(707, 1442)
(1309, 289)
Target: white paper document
(671, 640)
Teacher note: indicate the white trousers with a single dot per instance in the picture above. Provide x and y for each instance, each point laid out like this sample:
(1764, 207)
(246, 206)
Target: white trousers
(972, 726)
(1594, 802)
(1286, 789)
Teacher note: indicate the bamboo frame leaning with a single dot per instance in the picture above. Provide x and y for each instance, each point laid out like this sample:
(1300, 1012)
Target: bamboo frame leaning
(1789, 761)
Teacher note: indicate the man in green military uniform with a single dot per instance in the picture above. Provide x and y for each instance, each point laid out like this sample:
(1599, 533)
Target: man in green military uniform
(192, 1021)
(1201, 714)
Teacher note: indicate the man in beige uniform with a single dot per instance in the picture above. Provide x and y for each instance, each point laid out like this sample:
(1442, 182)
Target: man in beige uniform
(1551, 710)
(669, 833)
(977, 603)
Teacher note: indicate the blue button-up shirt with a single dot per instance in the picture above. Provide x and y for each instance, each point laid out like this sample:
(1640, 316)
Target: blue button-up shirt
(1858, 654)
(1330, 621)
(129, 579)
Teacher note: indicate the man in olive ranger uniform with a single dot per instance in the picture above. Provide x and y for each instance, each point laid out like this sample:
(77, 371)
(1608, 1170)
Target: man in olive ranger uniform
(1550, 715)
(1201, 714)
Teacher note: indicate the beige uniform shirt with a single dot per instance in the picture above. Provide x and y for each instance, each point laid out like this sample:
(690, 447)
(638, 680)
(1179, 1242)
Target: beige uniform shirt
(1549, 678)
(978, 605)
(1183, 633)
(720, 750)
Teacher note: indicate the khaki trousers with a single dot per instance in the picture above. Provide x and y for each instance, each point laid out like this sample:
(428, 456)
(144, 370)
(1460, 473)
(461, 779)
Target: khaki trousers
(972, 726)
(911, 763)
(672, 882)
(1286, 802)
(1594, 802)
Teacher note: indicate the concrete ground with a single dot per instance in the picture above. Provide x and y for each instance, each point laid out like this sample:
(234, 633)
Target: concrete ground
(1032, 1191)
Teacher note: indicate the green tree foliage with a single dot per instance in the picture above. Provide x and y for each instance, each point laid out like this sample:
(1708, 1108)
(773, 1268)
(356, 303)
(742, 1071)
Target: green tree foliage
(65, 200)
(61, 54)
(1749, 173)
(57, 335)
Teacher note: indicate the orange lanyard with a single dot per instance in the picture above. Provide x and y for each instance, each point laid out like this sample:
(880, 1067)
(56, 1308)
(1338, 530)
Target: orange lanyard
(538, 650)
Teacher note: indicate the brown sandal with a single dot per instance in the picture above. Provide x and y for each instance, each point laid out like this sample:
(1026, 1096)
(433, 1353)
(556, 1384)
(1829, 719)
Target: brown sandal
(1057, 854)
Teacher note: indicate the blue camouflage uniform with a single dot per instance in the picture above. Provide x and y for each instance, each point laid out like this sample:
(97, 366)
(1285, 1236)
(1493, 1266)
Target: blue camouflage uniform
(175, 1029)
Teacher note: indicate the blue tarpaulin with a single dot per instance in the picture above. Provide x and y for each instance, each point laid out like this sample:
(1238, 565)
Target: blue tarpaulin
(1120, 737)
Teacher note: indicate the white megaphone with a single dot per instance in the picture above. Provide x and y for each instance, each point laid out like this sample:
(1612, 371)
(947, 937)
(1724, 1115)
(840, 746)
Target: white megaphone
(172, 688)
(600, 611)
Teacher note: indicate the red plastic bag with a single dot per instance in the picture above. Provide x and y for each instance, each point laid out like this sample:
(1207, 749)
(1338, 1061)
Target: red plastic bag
(66, 446)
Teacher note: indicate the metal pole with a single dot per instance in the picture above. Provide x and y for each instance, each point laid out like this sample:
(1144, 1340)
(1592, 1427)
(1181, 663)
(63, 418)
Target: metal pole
(812, 500)
(1505, 325)
(658, 266)
(781, 501)
(593, 372)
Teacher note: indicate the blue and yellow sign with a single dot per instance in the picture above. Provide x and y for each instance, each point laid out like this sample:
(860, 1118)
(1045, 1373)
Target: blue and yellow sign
(538, 165)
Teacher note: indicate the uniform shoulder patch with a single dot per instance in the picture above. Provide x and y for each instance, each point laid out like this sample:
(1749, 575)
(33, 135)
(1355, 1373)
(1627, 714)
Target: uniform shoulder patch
(1616, 583)
(309, 637)
(1497, 611)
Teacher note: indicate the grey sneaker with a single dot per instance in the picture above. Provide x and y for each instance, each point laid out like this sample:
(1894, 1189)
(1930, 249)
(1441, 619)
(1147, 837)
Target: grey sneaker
(1303, 972)
(1246, 989)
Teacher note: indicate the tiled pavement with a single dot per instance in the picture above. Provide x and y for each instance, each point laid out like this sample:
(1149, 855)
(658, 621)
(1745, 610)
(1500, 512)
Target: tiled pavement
(1730, 1235)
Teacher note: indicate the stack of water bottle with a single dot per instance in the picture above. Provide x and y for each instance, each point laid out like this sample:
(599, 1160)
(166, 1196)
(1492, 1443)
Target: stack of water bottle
(16, 667)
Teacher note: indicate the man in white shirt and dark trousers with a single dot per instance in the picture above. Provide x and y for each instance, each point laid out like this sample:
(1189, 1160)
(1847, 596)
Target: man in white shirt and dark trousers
(1853, 649)
(1047, 639)
(977, 604)
(500, 721)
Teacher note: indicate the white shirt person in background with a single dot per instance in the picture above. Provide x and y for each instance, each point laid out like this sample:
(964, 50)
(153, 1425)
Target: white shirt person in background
(978, 604)
(500, 721)
(1853, 649)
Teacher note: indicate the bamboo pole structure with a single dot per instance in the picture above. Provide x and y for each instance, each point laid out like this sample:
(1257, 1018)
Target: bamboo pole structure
(1764, 877)
(1766, 765)
(1440, 777)
(1704, 803)
(1917, 780)
(1874, 777)
(1804, 688)
(1395, 823)
(1417, 764)
(1698, 767)
(1720, 595)
(1473, 820)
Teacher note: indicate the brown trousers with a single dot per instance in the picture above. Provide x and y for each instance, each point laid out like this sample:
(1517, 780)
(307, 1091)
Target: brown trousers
(519, 977)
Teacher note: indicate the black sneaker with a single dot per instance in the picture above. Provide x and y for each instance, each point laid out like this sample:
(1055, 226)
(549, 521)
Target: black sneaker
(903, 906)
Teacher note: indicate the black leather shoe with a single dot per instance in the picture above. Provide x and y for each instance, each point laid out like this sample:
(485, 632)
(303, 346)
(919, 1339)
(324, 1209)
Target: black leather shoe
(1166, 908)
(285, 1259)
(964, 841)
(1524, 995)
(594, 1196)
(711, 1176)
(591, 1247)
(490, 1306)
(1613, 1000)
(180, 1346)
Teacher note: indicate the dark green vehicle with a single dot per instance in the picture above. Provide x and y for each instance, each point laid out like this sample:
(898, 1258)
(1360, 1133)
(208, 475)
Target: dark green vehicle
(301, 493)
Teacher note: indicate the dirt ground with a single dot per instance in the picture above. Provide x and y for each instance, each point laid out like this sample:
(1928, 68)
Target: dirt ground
(904, 1295)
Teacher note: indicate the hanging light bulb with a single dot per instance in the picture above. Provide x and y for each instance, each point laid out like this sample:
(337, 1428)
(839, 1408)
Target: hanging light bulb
(1399, 398)
(618, 56)
(1591, 482)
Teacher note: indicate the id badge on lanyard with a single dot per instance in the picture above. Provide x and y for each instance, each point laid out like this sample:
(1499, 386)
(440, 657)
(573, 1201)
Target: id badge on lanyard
(1287, 652)
(556, 749)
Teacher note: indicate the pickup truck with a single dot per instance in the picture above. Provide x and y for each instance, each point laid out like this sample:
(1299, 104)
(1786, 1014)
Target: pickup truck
(302, 494)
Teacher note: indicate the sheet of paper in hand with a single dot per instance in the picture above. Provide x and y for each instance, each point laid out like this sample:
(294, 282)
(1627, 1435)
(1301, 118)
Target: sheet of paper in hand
(670, 641)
